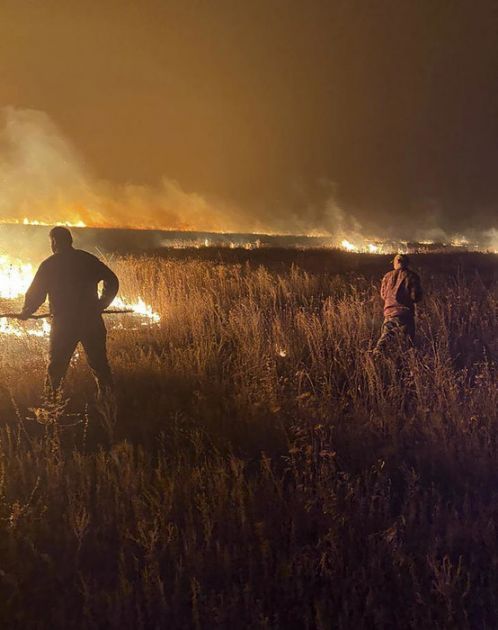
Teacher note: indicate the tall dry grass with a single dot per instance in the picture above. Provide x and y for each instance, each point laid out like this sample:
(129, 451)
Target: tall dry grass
(263, 470)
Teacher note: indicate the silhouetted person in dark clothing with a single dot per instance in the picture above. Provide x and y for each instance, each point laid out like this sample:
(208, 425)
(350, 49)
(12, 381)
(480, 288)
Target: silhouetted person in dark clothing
(400, 290)
(70, 278)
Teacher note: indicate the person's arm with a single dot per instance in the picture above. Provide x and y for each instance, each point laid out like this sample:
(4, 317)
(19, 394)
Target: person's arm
(383, 287)
(111, 286)
(36, 294)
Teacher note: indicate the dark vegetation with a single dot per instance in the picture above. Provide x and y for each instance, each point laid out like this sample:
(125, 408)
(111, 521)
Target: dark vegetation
(262, 470)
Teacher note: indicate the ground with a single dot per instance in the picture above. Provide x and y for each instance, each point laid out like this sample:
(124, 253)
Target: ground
(263, 469)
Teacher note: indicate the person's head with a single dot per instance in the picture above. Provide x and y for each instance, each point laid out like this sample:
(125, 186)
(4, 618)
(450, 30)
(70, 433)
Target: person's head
(60, 239)
(401, 261)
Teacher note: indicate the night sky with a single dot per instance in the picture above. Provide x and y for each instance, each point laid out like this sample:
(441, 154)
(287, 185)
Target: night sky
(382, 115)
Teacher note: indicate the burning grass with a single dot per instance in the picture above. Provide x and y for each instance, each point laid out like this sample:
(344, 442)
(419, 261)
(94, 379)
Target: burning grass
(263, 470)
(15, 278)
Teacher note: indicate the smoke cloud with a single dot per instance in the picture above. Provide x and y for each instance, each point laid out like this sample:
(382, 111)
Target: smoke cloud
(45, 179)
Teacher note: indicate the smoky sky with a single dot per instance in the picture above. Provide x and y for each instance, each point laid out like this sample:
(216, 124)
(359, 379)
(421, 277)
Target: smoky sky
(386, 109)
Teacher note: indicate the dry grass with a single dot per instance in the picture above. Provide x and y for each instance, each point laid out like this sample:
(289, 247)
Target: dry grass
(263, 470)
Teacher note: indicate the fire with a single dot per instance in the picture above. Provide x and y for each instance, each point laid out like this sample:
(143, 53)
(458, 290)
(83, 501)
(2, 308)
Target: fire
(365, 247)
(16, 329)
(139, 308)
(79, 224)
(347, 245)
(15, 278)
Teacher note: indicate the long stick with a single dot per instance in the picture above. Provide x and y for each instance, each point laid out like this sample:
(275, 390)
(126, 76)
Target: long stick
(46, 315)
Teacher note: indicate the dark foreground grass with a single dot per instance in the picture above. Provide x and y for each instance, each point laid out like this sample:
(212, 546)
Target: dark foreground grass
(263, 470)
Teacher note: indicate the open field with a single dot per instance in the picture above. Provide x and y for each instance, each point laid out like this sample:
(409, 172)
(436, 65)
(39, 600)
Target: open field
(263, 470)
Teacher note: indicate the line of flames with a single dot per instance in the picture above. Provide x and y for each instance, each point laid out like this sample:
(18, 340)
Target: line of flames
(15, 278)
(79, 224)
(353, 244)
